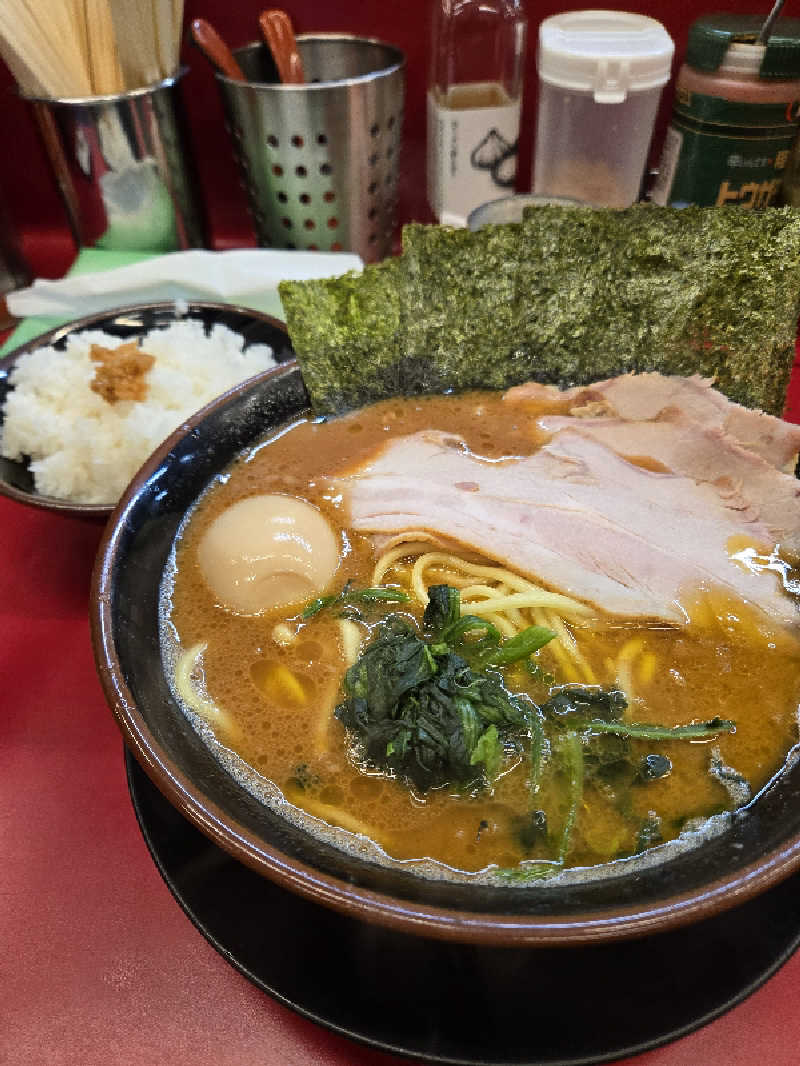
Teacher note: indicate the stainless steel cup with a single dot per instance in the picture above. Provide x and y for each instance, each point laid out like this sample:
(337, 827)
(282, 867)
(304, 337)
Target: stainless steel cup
(319, 161)
(123, 169)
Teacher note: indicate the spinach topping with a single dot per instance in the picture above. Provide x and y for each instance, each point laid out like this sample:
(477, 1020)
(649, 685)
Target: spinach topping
(430, 706)
(350, 597)
(427, 707)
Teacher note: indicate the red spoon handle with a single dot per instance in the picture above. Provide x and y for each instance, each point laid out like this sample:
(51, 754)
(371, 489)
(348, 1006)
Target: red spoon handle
(215, 50)
(277, 31)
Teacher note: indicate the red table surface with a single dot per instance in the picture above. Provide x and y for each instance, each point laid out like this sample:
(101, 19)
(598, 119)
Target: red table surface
(98, 963)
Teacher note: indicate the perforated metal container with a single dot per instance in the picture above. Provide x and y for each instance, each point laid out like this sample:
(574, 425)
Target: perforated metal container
(319, 161)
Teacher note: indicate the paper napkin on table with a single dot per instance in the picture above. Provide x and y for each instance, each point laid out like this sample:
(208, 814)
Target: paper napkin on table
(248, 277)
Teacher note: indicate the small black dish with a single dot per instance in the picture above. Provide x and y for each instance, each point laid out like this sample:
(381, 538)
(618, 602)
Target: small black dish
(16, 480)
(461, 1004)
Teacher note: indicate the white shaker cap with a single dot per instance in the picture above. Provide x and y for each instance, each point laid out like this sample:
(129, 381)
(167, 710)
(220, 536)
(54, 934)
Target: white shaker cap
(609, 53)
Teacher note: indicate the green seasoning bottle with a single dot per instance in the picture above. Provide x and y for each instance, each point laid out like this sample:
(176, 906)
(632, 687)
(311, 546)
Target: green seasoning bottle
(736, 114)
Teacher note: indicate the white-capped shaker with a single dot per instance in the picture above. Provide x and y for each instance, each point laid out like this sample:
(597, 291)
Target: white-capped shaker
(601, 74)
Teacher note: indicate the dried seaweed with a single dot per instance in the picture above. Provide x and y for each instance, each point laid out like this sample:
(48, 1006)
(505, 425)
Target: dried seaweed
(340, 326)
(567, 296)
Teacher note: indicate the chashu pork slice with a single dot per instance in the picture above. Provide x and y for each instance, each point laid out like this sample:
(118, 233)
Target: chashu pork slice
(574, 516)
(677, 443)
(646, 397)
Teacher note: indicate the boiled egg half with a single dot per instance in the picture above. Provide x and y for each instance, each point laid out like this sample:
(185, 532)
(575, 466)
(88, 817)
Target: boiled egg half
(268, 551)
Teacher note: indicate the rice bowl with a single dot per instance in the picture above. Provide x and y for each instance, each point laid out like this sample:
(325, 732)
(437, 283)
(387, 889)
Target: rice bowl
(62, 446)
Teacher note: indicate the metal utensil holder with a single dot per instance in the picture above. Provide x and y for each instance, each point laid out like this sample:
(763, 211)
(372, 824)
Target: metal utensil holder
(123, 168)
(319, 161)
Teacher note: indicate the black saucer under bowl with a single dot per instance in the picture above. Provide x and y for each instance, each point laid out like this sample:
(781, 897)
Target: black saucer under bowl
(445, 1002)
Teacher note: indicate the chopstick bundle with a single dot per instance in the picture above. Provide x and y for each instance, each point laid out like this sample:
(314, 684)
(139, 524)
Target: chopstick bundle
(104, 61)
(134, 25)
(74, 48)
(41, 60)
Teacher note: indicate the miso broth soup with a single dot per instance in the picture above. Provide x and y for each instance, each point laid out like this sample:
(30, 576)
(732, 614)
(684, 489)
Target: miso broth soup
(619, 732)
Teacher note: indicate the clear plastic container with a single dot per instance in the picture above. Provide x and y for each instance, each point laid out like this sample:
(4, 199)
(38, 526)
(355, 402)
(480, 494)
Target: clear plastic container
(601, 74)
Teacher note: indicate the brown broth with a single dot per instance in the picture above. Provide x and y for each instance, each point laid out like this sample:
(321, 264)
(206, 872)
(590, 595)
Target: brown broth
(727, 662)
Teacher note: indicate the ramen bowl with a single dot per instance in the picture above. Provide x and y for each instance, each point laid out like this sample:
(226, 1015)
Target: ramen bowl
(756, 848)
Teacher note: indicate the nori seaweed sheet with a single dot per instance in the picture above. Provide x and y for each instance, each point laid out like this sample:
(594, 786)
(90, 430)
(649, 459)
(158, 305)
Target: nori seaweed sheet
(567, 296)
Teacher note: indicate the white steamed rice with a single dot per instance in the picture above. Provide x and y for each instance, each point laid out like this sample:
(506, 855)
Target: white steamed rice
(86, 450)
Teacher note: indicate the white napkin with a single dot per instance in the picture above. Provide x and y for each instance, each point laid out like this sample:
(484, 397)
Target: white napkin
(247, 276)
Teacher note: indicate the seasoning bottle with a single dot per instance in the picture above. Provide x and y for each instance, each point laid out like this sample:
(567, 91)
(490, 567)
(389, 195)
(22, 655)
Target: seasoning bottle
(735, 115)
(601, 75)
(474, 100)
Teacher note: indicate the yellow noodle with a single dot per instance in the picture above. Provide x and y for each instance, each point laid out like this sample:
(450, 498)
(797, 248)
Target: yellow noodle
(508, 629)
(555, 647)
(188, 662)
(482, 570)
(470, 591)
(351, 638)
(451, 578)
(625, 679)
(647, 668)
(417, 583)
(337, 816)
(571, 646)
(630, 649)
(389, 558)
(539, 598)
(499, 574)
(323, 720)
(502, 597)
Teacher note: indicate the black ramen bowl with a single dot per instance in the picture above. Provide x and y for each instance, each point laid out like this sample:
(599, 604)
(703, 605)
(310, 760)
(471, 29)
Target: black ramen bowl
(16, 479)
(760, 847)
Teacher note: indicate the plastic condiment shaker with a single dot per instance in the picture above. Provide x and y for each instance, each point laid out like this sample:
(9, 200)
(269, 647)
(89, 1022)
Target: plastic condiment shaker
(601, 75)
(735, 116)
(474, 102)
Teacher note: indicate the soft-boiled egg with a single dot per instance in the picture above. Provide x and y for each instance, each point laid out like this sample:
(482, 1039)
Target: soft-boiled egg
(268, 551)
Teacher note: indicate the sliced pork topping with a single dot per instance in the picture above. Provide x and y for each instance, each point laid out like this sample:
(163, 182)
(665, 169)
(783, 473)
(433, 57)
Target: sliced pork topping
(647, 397)
(575, 516)
(678, 444)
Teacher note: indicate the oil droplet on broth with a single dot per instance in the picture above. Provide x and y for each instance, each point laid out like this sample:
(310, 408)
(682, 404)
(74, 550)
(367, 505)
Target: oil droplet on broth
(308, 651)
(332, 795)
(281, 685)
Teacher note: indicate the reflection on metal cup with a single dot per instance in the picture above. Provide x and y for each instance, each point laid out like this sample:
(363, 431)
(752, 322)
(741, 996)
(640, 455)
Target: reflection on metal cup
(319, 161)
(122, 168)
(14, 272)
